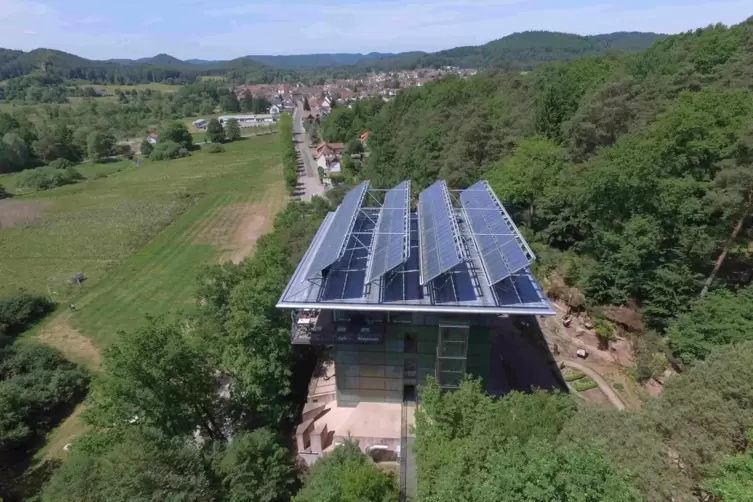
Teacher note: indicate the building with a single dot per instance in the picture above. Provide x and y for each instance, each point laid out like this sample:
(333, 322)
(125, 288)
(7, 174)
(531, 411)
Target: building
(245, 121)
(152, 138)
(274, 110)
(199, 124)
(395, 295)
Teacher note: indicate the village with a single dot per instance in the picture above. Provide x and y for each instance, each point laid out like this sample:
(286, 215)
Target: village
(315, 102)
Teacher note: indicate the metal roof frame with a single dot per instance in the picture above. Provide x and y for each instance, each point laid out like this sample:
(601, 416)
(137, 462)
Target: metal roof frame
(517, 236)
(380, 232)
(333, 234)
(446, 204)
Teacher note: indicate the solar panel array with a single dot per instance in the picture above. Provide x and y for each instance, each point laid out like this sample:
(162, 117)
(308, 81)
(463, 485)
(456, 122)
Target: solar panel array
(501, 246)
(438, 233)
(391, 241)
(336, 237)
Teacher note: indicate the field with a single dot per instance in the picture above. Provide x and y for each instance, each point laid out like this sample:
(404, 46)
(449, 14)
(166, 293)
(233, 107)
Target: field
(111, 88)
(140, 236)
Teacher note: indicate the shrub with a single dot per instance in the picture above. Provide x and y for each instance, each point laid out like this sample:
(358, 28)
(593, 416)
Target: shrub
(585, 384)
(574, 376)
(215, 148)
(604, 331)
(146, 148)
(44, 178)
(60, 164)
(167, 149)
(3, 193)
(618, 386)
(19, 312)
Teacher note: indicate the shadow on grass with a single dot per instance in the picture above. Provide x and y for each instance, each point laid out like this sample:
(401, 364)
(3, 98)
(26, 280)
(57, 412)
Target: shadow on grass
(22, 476)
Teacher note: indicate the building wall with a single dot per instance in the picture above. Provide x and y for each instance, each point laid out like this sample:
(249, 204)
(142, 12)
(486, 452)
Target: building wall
(378, 372)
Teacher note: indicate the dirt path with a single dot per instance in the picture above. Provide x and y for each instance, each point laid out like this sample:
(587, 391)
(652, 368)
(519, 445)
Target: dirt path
(604, 386)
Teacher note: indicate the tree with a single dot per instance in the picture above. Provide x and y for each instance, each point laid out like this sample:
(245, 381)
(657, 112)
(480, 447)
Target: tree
(141, 464)
(354, 146)
(153, 376)
(215, 131)
(233, 130)
(177, 132)
(471, 447)
(523, 178)
(146, 148)
(733, 481)
(99, 145)
(14, 153)
(255, 466)
(720, 318)
(229, 103)
(4, 193)
(347, 475)
(306, 106)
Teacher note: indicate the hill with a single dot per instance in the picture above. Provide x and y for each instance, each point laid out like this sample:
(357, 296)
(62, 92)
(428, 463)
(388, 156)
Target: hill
(519, 50)
(303, 61)
(523, 50)
(160, 68)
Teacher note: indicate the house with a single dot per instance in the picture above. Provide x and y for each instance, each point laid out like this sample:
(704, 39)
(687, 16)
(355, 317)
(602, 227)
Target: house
(389, 324)
(199, 124)
(152, 137)
(329, 149)
(364, 137)
(274, 110)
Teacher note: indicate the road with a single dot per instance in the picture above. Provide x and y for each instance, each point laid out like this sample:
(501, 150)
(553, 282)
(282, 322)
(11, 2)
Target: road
(308, 179)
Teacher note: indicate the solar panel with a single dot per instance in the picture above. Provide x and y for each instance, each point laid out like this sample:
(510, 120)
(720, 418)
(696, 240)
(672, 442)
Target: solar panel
(391, 240)
(438, 232)
(333, 243)
(503, 250)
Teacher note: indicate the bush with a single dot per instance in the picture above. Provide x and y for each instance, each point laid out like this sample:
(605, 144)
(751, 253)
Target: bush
(215, 148)
(21, 311)
(3, 194)
(574, 376)
(44, 178)
(604, 331)
(166, 150)
(584, 385)
(146, 148)
(37, 388)
(60, 164)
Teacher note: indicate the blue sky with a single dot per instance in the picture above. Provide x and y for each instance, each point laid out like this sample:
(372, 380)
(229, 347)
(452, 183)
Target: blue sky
(231, 28)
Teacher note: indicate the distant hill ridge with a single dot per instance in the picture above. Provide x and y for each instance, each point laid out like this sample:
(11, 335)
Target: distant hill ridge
(523, 50)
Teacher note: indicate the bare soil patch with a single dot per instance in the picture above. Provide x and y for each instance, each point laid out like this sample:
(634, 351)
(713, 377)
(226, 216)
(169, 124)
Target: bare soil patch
(15, 212)
(234, 229)
(60, 335)
(614, 364)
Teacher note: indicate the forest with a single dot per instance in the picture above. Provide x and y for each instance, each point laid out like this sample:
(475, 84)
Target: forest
(168, 70)
(518, 51)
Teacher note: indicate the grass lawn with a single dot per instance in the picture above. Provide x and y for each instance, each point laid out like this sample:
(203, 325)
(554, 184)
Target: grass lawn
(140, 236)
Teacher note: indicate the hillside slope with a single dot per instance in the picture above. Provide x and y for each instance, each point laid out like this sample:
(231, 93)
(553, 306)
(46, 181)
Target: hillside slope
(525, 50)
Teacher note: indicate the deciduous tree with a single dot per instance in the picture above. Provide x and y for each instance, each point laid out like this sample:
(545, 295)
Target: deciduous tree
(215, 131)
(233, 130)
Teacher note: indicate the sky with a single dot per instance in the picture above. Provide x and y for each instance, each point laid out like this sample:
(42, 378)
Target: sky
(104, 29)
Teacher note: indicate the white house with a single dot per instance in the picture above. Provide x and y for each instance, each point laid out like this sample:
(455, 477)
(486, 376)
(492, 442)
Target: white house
(274, 110)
